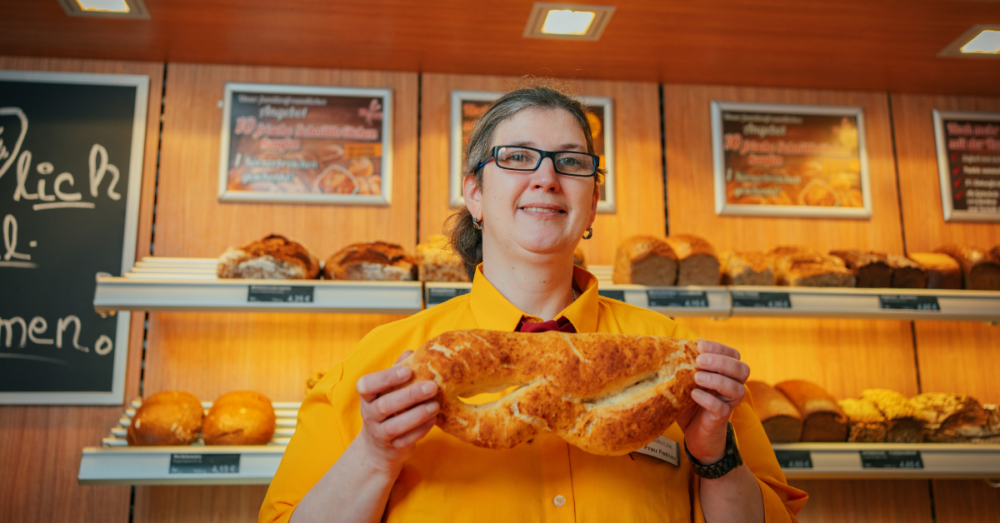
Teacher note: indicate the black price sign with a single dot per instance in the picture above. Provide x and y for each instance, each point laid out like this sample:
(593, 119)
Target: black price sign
(204, 463)
(761, 300)
(280, 294)
(614, 295)
(677, 298)
(891, 459)
(436, 295)
(914, 303)
(794, 459)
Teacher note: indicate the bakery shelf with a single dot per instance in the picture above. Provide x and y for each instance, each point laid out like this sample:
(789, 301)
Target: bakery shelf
(439, 292)
(179, 284)
(888, 460)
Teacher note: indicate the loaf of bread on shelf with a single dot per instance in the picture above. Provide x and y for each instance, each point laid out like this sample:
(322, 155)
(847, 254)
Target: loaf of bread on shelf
(906, 273)
(867, 424)
(645, 260)
(804, 267)
(902, 420)
(980, 269)
(436, 261)
(239, 418)
(579, 259)
(781, 420)
(822, 418)
(951, 417)
(747, 268)
(942, 271)
(870, 270)
(378, 261)
(698, 264)
(171, 417)
(272, 258)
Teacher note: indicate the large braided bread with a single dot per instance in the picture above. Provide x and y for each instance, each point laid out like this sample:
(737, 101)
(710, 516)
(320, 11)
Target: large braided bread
(607, 394)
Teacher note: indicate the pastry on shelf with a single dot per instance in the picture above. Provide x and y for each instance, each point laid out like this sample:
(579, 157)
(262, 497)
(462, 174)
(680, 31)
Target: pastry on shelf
(942, 271)
(980, 269)
(803, 267)
(697, 261)
(239, 418)
(272, 258)
(870, 270)
(902, 420)
(378, 261)
(952, 418)
(436, 261)
(645, 260)
(822, 418)
(170, 417)
(781, 420)
(747, 268)
(867, 424)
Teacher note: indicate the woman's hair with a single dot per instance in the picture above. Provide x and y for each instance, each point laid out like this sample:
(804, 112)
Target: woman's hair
(466, 240)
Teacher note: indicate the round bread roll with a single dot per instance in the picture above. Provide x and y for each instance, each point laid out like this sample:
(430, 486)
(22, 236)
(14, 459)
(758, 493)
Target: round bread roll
(239, 418)
(171, 417)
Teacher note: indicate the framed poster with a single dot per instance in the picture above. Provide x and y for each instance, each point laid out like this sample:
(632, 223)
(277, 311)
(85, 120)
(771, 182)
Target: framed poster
(303, 144)
(71, 150)
(968, 153)
(790, 160)
(468, 106)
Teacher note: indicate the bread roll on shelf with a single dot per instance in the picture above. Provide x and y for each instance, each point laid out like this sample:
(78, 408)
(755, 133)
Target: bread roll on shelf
(822, 418)
(239, 418)
(942, 271)
(170, 417)
(645, 260)
(980, 269)
(272, 258)
(372, 261)
(781, 420)
(747, 268)
(698, 263)
(867, 424)
(436, 261)
(902, 419)
(870, 270)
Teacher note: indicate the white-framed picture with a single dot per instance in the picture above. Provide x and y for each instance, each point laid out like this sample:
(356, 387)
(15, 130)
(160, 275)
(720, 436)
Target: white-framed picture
(790, 160)
(468, 106)
(306, 144)
(968, 154)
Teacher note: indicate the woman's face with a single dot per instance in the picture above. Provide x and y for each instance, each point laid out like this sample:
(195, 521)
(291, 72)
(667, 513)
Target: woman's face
(541, 212)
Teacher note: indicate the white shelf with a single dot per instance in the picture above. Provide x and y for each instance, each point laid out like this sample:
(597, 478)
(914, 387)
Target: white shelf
(937, 460)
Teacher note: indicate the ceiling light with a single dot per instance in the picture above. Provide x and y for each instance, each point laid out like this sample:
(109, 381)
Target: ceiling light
(981, 41)
(105, 8)
(985, 42)
(567, 21)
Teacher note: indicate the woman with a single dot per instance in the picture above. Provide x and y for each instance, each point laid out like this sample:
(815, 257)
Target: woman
(360, 454)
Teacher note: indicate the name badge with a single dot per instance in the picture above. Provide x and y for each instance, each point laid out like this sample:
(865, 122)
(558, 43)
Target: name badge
(663, 449)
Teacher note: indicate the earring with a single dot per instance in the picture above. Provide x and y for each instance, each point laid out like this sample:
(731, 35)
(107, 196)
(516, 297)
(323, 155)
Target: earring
(590, 234)
(477, 224)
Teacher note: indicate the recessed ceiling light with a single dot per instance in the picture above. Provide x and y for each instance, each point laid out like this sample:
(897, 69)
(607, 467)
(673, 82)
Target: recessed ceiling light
(981, 41)
(985, 42)
(105, 8)
(567, 21)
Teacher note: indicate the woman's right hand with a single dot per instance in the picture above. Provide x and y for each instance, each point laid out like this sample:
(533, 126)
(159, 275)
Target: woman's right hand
(395, 421)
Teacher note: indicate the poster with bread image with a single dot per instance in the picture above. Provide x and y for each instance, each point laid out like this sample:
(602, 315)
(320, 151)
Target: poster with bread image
(790, 160)
(305, 144)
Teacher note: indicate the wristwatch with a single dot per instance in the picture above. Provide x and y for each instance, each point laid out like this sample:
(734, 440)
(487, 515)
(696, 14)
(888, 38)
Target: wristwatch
(729, 461)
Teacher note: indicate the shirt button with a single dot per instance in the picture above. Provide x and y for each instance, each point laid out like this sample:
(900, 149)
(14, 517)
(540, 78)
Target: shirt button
(559, 501)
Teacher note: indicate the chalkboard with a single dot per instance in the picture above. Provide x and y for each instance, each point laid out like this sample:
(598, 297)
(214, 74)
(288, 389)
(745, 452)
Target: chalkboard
(71, 148)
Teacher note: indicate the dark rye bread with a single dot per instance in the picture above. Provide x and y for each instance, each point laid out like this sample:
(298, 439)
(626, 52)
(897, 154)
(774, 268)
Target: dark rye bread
(274, 257)
(698, 264)
(980, 269)
(906, 273)
(870, 270)
(747, 268)
(645, 260)
(378, 261)
(781, 420)
(822, 417)
(942, 271)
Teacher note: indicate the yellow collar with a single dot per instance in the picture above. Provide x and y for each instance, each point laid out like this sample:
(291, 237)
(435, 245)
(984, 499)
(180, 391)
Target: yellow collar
(494, 312)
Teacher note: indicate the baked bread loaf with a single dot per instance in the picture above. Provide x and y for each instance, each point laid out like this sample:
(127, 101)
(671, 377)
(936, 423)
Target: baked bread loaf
(870, 270)
(272, 258)
(867, 424)
(822, 418)
(950, 418)
(943, 272)
(803, 267)
(436, 261)
(980, 270)
(697, 261)
(902, 421)
(906, 273)
(171, 417)
(747, 268)
(645, 260)
(378, 261)
(781, 420)
(607, 394)
(239, 418)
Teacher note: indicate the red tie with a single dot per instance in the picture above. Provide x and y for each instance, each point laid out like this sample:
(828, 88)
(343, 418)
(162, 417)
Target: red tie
(561, 325)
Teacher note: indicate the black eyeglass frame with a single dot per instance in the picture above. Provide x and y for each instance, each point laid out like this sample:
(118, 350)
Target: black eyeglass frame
(541, 156)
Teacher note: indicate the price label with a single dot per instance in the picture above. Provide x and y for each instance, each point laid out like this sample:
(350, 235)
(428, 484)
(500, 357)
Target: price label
(677, 298)
(891, 459)
(794, 459)
(280, 294)
(436, 295)
(915, 303)
(614, 295)
(204, 463)
(761, 300)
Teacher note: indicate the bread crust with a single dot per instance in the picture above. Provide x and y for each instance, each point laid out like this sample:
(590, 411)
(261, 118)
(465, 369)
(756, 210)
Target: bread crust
(781, 420)
(239, 418)
(371, 261)
(943, 272)
(823, 419)
(698, 264)
(273, 257)
(807, 269)
(645, 260)
(870, 269)
(906, 273)
(747, 268)
(867, 423)
(607, 394)
(167, 418)
(980, 269)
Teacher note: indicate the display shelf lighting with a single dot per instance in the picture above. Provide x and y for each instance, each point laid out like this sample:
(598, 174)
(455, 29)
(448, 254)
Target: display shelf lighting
(567, 21)
(105, 8)
(980, 41)
(985, 42)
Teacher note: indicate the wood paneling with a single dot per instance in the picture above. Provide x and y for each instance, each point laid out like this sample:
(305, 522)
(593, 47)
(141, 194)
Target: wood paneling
(40, 447)
(184, 504)
(965, 501)
(866, 501)
(638, 161)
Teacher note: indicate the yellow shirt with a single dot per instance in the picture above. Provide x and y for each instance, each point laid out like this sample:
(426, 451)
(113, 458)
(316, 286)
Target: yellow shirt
(544, 480)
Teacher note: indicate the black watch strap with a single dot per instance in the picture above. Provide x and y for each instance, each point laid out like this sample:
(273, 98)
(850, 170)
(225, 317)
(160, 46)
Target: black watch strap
(729, 461)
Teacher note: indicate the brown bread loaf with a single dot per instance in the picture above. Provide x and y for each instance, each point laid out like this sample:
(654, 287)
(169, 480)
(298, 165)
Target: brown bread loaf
(272, 258)
(906, 273)
(867, 422)
(171, 417)
(980, 270)
(698, 263)
(378, 261)
(747, 268)
(436, 261)
(645, 260)
(950, 417)
(902, 420)
(822, 418)
(942, 271)
(812, 270)
(239, 418)
(781, 420)
(870, 270)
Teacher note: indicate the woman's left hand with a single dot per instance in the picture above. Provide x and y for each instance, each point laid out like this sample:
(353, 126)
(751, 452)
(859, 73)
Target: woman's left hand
(720, 377)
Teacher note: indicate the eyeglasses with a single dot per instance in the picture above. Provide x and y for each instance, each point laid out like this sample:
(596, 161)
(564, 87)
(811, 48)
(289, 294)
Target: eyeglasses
(518, 158)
